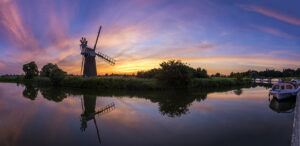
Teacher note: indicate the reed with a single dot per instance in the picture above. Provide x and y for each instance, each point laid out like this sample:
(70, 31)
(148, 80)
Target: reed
(125, 83)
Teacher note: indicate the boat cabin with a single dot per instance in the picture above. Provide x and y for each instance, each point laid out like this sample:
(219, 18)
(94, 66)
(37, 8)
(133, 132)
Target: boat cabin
(284, 86)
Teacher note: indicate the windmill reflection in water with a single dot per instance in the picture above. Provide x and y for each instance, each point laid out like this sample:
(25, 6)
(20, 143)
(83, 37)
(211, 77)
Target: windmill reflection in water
(89, 112)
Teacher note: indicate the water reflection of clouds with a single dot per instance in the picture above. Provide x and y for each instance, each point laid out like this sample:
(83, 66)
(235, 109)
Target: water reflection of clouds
(126, 112)
(250, 93)
(13, 122)
(224, 115)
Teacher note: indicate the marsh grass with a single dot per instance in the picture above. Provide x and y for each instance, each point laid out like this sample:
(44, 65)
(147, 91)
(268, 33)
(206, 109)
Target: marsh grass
(218, 82)
(125, 83)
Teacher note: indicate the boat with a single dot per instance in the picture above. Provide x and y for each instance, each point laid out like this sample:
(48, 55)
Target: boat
(297, 81)
(285, 90)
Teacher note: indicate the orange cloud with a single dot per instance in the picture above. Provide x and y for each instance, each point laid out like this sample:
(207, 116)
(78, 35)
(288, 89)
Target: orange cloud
(271, 13)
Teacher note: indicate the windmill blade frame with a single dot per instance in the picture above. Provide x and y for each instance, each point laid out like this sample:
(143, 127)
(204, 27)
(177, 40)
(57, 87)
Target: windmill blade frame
(106, 58)
(97, 37)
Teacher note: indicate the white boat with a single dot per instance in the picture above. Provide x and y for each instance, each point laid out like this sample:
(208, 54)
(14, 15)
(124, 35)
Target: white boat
(297, 81)
(284, 90)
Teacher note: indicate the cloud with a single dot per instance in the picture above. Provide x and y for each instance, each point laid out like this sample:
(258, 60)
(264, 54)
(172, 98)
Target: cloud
(276, 32)
(17, 33)
(2, 65)
(271, 13)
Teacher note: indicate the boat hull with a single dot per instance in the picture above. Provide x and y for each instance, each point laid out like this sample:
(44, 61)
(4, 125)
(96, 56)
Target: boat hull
(281, 96)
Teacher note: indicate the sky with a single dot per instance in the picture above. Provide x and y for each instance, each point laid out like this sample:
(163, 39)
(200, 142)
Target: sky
(218, 35)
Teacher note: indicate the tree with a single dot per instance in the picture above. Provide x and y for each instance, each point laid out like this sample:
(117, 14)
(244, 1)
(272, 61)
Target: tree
(288, 72)
(148, 74)
(297, 72)
(201, 73)
(174, 73)
(47, 69)
(31, 70)
(57, 75)
(217, 75)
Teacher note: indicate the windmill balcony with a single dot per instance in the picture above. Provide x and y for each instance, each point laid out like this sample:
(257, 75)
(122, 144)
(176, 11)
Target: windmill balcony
(87, 51)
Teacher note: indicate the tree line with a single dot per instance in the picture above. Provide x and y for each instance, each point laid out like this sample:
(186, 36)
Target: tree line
(268, 73)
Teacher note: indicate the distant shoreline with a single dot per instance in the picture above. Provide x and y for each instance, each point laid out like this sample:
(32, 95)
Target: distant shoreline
(125, 83)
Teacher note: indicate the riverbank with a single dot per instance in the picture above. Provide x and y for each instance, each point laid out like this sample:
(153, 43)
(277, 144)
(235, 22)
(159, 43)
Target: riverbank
(124, 83)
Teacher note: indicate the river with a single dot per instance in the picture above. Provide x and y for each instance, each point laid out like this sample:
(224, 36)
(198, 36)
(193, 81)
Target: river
(53, 116)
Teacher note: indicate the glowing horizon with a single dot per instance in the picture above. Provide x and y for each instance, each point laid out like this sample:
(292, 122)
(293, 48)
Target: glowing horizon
(219, 36)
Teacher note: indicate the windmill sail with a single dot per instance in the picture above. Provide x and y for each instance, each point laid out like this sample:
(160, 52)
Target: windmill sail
(97, 37)
(106, 58)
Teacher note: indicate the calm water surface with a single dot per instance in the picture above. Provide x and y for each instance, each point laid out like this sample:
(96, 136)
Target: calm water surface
(47, 116)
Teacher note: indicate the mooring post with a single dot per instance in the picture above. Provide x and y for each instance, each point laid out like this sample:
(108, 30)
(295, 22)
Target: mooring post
(296, 125)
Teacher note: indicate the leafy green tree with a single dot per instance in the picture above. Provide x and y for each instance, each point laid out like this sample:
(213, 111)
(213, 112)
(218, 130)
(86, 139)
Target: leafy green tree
(175, 73)
(57, 75)
(47, 69)
(31, 70)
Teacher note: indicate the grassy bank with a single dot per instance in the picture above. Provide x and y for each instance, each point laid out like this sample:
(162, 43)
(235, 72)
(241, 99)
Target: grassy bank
(218, 82)
(289, 78)
(124, 83)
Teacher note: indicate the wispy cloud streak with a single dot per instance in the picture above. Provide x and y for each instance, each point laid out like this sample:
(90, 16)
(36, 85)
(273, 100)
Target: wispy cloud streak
(276, 32)
(271, 13)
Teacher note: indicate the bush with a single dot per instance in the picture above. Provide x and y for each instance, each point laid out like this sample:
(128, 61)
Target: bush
(57, 76)
(148, 74)
(47, 69)
(31, 70)
(175, 73)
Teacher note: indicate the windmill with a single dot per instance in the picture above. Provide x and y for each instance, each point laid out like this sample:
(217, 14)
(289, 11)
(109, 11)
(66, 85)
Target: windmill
(88, 64)
(89, 112)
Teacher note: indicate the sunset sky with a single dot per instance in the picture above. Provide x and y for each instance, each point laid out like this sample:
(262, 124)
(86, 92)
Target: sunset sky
(219, 35)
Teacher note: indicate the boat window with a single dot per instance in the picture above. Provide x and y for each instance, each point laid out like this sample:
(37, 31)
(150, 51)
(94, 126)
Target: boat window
(282, 87)
(276, 87)
(289, 87)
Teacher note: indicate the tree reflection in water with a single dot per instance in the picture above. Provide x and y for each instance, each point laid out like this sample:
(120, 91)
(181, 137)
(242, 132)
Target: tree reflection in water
(30, 91)
(53, 94)
(172, 103)
(238, 92)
